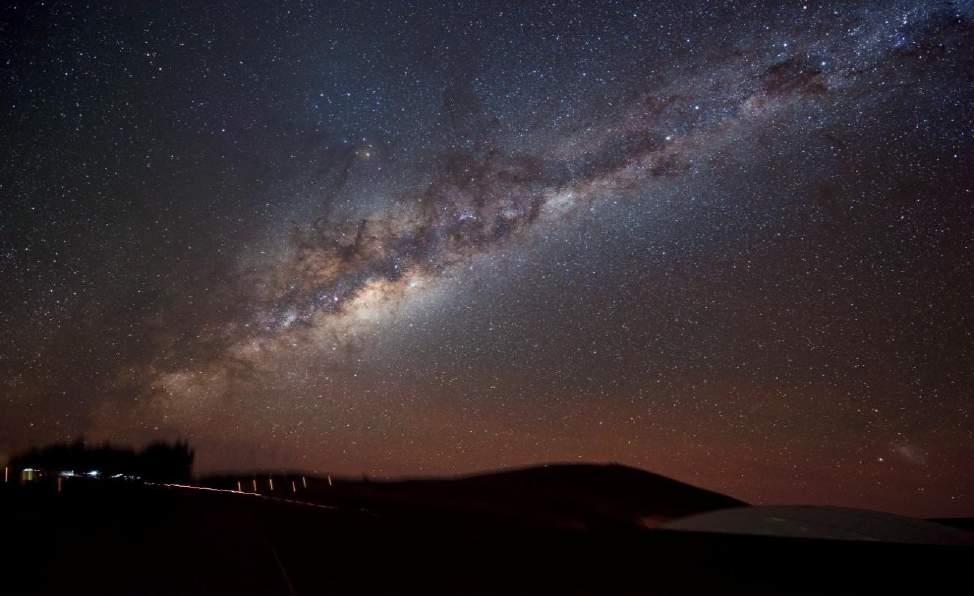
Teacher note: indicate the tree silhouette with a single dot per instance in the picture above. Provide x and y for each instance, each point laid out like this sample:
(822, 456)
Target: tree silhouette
(167, 461)
(158, 461)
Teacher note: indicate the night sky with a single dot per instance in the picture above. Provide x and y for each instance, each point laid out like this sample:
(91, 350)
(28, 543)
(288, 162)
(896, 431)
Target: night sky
(730, 243)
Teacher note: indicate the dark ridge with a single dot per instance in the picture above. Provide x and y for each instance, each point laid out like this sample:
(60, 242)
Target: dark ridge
(961, 523)
(554, 495)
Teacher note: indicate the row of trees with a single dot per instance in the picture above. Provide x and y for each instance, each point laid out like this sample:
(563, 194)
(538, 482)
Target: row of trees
(159, 461)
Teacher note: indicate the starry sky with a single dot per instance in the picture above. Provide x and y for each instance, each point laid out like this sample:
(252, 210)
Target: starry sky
(728, 242)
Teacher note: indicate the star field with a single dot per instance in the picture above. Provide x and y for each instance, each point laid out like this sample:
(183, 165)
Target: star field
(726, 242)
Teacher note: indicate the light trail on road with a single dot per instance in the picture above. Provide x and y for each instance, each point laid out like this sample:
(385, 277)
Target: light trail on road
(238, 492)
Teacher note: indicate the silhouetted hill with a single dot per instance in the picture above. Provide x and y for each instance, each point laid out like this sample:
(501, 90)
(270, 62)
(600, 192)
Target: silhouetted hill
(582, 495)
(554, 495)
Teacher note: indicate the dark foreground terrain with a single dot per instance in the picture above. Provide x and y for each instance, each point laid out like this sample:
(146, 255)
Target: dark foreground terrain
(128, 538)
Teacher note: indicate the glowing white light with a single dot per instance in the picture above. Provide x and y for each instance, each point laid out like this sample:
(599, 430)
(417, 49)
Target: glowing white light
(289, 318)
(559, 201)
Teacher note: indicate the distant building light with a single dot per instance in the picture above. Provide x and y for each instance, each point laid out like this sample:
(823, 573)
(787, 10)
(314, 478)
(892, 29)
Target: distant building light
(94, 473)
(67, 473)
(116, 475)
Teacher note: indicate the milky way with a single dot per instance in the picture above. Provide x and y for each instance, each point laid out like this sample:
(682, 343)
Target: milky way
(729, 244)
(480, 201)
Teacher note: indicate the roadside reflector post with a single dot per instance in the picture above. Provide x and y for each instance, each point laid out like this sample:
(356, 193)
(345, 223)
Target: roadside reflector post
(329, 480)
(304, 482)
(270, 482)
(255, 485)
(239, 487)
(294, 487)
(6, 474)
